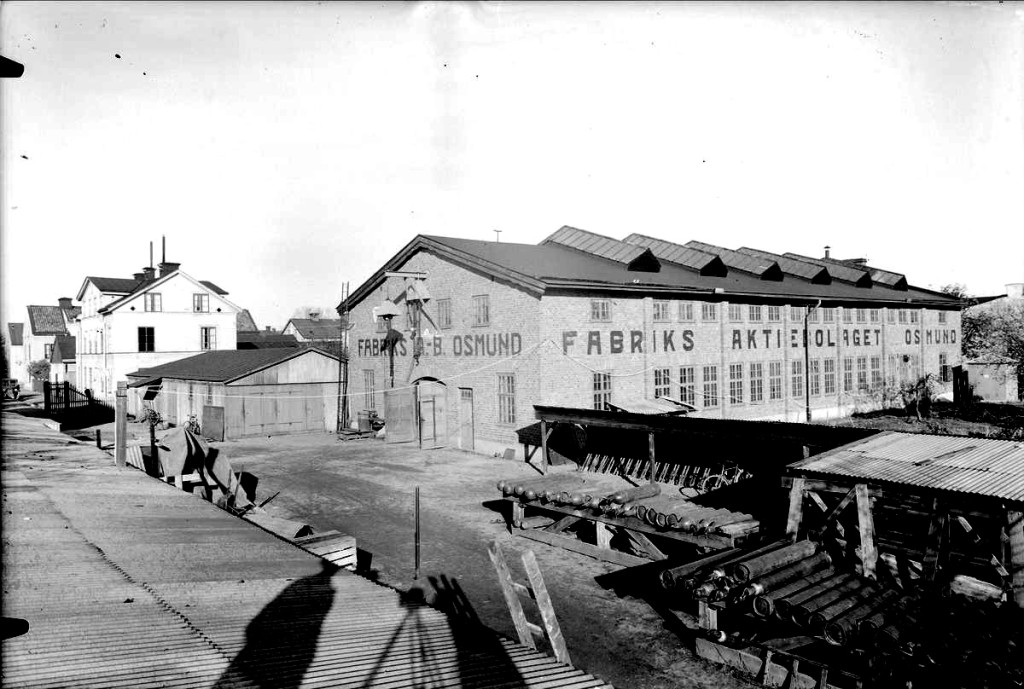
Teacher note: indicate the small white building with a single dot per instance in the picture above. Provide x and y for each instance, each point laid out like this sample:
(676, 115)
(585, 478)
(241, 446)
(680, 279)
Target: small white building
(147, 320)
(17, 365)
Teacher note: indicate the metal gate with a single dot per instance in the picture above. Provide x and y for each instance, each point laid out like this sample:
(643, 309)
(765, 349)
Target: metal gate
(400, 415)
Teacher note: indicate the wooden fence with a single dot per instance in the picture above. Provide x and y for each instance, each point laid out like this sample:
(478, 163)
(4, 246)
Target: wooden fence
(65, 402)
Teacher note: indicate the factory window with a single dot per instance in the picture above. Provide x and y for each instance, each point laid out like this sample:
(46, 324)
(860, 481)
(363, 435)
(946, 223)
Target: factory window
(368, 391)
(847, 314)
(862, 315)
(735, 383)
(201, 303)
(813, 316)
(600, 310)
(481, 310)
(862, 373)
(913, 315)
(662, 382)
(382, 325)
(735, 312)
(942, 317)
(774, 314)
(444, 313)
(944, 370)
(876, 316)
(209, 393)
(147, 340)
(757, 382)
(754, 313)
(848, 374)
(814, 377)
(711, 385)
(153, 301)
(207, 338)
(661, 310)
(506, 398)
(828, 315)
(903, 315)
(876, 372)
(830, 376)
(796, 313)
(775, 380)
(708, 312)
(687, 387)
(602, 390)
(890, 315)
(685, 311)
(797, 369)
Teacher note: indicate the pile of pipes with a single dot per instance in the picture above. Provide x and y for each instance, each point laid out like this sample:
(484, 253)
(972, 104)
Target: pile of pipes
(642, 503)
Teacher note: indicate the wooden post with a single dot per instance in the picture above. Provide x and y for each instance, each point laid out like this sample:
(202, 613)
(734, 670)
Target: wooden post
(796, 507)
(547, 610)
(66, 391)
(604, 535)
(99, 439)
(544, 446)
(650, 452)
(866, 522)
(121, 423)
(936, 541)
(1015, 529)
(515, 608)
(416, 572)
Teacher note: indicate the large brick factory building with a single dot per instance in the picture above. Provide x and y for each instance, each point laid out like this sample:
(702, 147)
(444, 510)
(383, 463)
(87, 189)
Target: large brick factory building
(484, 330)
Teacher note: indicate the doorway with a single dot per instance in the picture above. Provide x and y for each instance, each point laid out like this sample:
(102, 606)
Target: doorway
(466, 418)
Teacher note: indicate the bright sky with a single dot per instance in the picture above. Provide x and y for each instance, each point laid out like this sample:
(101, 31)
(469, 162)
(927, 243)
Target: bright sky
(284, 149)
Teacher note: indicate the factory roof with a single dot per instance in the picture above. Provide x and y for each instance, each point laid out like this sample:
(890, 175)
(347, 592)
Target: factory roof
(978, 466)
(577, 261)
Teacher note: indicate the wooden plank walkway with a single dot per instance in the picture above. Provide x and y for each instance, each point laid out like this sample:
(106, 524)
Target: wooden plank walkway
(127, 581)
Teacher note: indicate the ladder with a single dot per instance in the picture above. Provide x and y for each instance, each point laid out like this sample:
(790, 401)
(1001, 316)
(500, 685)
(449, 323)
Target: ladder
(538, 591)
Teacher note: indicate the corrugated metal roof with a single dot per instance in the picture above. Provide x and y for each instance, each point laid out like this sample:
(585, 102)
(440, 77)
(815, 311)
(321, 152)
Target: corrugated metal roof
(981, 466)
(838, 270)
(222, 365)
(127, 581)
(675, 253)
(791, 266)
(757, 265)
(599, 245)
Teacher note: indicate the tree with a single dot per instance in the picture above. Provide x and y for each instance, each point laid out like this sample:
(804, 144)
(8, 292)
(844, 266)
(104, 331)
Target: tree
(39, 370)
(995, 331)
(324, 311)
(955, 289)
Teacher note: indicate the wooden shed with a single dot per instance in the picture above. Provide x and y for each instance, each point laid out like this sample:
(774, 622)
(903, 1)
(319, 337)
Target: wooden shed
(242, 393)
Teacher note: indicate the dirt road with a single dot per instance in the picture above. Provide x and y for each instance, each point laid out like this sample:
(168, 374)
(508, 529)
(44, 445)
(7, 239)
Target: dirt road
(366, 488)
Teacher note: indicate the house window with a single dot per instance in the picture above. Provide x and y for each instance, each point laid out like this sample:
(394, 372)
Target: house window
(754, 314)
(602, 389)
(875, 315)
(830, 376)
(775, 380)
(506, 398)
(903, 315)
(201, 303)
(774, 314)
(847, 314)
(735, 383)
(828, 315)
(735, 312)
(481, 310)
(757, 382)
(207, 338)
(814, 377)
(47, 351)
(661, 310)
(797, 370)
(444, 313)
(147, 340)
(685, 311)
(890, 315)
(600, 310)
(708, 312)
(152, 301)
(796, 313)
(876, 372)
(662, 382)
(209, 393)
(711, 385)
(862, 373)
(942, 317)
(368, 391)
(944, 370)
(862, 316)
(687, 385)
(848, 374)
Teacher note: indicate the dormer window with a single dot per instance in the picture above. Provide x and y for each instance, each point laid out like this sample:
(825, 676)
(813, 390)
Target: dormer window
(153, 301)
(200, 303)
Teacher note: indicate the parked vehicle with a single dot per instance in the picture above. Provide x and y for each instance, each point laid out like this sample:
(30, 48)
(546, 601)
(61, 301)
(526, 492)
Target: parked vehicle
(12, 389)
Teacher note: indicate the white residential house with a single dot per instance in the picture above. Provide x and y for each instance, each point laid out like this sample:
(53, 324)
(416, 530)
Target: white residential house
(38, 336)
(133, 323)
(17, 365)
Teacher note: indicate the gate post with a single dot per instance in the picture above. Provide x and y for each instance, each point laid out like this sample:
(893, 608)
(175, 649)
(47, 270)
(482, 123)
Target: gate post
(67, 396)
(121, 423)
(47, 403)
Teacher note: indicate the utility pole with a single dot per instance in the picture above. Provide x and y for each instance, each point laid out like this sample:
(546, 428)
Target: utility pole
(342, 406)
(807, 357)
(497, 235)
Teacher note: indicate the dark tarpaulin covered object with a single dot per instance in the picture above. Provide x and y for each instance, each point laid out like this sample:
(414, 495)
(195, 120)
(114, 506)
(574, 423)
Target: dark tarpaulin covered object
(183, 452)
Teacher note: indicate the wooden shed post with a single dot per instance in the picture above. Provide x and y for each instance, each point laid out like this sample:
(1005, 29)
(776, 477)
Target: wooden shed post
(544, 446)
(650, 452)
(121, 423)
(796, 508)
(1015, 530)
(866, 522)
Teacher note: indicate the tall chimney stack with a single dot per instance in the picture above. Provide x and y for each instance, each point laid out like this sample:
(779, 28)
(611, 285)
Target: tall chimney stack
(163, 254)
(151, 254)
(827, 248)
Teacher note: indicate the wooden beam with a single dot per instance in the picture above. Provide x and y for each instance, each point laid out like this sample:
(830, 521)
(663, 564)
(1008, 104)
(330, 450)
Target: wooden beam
(562, 524)
(1015, 531)
(980, 547)
(604, 535)
(796, 507)
(707, 617)
(515, 607)
(644, 545)
(936, 541)
(650, 454)
(544, 459)
(866, 524)
(547, 610)
(577, 546)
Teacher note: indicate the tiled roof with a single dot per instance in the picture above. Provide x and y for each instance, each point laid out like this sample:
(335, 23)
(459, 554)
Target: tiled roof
(116, 285)
(147, 284)
(215, 288)
(262, 339)
(63, 349)
(220, 366)
(46, 320)
(17, 331)
(979, 466)
(320, 329)
(244, 322)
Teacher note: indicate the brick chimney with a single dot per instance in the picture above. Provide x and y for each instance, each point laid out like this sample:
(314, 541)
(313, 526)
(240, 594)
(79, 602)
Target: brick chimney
(827, 249)
(64, 302)
(166, 268)
(149, 273)
(314, 315)
(139, 277)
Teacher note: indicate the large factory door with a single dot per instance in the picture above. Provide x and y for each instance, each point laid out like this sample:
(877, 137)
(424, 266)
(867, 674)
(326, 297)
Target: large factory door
(430, 395)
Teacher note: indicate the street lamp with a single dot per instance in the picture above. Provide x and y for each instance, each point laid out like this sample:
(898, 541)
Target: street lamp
(387, 311)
